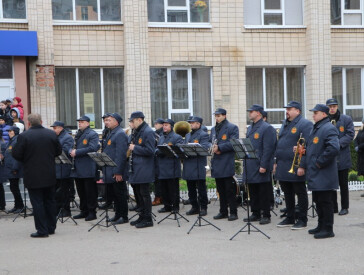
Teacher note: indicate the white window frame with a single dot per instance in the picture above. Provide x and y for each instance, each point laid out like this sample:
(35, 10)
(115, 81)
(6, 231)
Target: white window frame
(188, 24)
(352, 107)
(12, 20)
(281, 11)
(284, 90)
(74, 21)
(345, 11)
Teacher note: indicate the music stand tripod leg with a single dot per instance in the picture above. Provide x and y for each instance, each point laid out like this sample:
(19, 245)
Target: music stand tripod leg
(25, 207)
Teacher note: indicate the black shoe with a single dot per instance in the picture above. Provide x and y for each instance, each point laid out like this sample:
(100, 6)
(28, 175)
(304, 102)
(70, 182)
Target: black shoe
(65, 213)
(203, 212)
(220, 216)
(82, 215)
(11, 211)
(286, 223)
(144, 223)
(136, 221)
(343, 212)
(121, 221)
(264, 220)
(315, 230)
(114, 219)
(164, 210)
(187, 202)
(283, 210)
(51, 232)
(323, 234)
(133, 208)
(18, 211)
(232, 217)
(192, 211)
(253, 218)
(299, 225)
(91, 217)
(37, 235)
(139, 209)
(105, 205)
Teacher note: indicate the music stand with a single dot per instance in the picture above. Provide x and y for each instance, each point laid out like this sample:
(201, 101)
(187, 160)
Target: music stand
(103, 160)
(196, 150)
(23, 211)
(175, 153)
(245, 150)
(63, 159)
(313, 207)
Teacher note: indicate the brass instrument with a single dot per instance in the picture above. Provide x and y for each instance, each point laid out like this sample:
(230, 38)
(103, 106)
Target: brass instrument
(212, 153)
(300, 151)
(74, 147)
(182, 128)
(333, 122)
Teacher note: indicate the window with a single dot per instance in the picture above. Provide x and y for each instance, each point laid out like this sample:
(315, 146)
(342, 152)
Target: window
(347, 12)
(12, 9)
(273, 13)
(89, 91)
(87, 10)
(6, 67)
(178, 11)
(178, 93)
(273, 88)
(347, 88)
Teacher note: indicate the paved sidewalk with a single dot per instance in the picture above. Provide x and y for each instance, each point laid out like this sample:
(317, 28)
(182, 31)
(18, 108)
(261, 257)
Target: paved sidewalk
(167, 249)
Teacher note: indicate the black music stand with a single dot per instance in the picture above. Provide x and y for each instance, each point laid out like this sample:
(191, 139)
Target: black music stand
(313, 207)
(23, 211)
(245, 150)
(63, 159)
(103, 160)
(175, 153)
(196, 150)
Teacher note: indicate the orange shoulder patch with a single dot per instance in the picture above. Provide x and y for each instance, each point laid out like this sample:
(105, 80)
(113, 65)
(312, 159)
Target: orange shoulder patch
(315, 140)
(256, 135)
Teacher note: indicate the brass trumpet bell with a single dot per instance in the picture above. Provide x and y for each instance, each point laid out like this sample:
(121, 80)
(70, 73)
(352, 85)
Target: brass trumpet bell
(182, 128)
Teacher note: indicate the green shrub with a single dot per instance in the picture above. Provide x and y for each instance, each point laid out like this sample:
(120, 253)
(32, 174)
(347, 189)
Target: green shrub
(354, 156)
(361, 178)
(210, 182)
(353, 176)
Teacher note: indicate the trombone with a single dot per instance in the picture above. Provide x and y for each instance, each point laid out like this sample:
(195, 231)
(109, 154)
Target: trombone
(300, 151)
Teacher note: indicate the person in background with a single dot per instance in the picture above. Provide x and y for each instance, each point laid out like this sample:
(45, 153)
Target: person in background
(2, 178)
(17, 121)
(17, 104)
(5, 112)
(359, 148)
(158, 126)
(4, 128)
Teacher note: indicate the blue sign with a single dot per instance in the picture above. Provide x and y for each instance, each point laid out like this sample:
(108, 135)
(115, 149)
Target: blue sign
(18, 43)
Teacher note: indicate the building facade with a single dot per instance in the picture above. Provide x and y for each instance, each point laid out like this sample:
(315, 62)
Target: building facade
(175, 58)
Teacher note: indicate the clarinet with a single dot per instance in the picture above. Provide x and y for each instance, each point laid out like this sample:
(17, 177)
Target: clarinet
(74, 147)
(131, 169)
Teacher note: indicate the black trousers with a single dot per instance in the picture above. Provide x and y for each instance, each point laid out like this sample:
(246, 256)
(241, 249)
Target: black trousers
(2, 196)
(157, 188)
(44, 209)
(202, 193)
(227, 194)
(87, 191)
(14, 188)
(63, 194)
(170, 193)
(137, 195)
(145, 200)
(344, 191)
(120, 195)
(325, 208)
(291, 189)
(260, 198)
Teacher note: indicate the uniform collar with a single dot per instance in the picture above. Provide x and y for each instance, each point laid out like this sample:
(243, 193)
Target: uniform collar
(321, 122)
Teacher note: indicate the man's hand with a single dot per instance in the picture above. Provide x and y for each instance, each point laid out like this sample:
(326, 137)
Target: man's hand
(262, 170)
(131, 147)
(73, 153)
(216, 150)
(118, 178)
(274, 168)
(300, 172)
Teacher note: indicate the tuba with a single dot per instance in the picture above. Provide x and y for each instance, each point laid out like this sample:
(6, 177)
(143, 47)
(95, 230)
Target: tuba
(182, 128)
(300, 151)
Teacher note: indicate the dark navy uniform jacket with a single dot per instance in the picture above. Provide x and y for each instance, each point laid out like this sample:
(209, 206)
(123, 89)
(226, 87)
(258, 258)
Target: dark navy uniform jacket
(88, 142)
(2, 168)
(223, 165)
(263, 138)
(346, 130)
(115, 146)
(169, 168)
(288, 138)
(11, 164)
(143, 155)
(321, 153)
(194, 167)
(63, 171)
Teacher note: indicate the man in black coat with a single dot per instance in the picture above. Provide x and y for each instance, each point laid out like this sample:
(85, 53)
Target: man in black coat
(37, 149)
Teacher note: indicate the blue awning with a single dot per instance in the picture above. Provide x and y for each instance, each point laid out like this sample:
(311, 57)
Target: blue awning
(18, 43)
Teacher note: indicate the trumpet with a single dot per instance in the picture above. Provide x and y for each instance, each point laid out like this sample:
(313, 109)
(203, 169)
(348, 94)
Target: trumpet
(211, 152)
(300, 151)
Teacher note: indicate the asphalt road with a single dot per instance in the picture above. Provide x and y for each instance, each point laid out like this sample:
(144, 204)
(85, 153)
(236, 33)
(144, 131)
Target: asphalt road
(167, 249)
